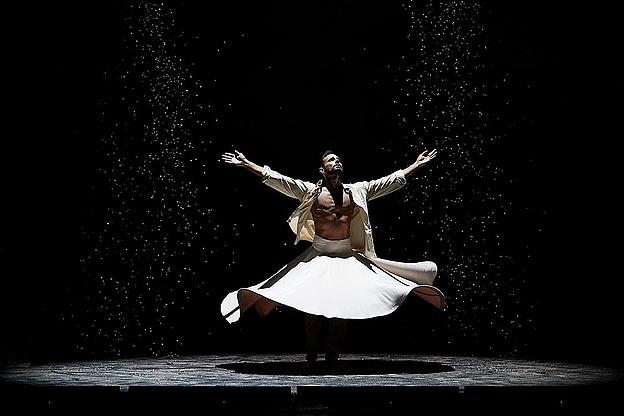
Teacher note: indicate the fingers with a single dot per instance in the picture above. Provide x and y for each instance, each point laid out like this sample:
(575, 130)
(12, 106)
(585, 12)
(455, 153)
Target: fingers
(228, 157)
(235, 158)
(426, 156)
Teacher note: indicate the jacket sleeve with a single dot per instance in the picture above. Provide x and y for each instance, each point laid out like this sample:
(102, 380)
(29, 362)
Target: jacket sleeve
(294, 188)
(385, 185)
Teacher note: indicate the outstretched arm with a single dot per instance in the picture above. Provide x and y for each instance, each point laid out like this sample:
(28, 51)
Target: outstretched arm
(239, 159)
(294, 188)
(422, 159)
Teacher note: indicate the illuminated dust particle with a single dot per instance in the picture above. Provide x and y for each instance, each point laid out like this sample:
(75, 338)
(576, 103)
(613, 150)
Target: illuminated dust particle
(154, 214)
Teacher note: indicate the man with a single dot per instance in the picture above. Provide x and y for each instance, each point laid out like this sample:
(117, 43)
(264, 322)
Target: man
(339, 277)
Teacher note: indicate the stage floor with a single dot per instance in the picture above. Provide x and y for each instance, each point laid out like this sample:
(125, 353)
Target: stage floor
(276, 384)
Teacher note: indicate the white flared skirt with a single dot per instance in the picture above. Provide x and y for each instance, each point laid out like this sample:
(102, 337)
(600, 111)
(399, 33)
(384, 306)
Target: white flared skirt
(332, 280)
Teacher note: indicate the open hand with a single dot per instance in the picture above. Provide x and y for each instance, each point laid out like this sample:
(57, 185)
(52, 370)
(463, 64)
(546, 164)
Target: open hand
(236, 158)
(425, 157)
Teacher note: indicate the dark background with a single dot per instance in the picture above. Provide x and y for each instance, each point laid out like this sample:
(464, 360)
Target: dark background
(122, 230)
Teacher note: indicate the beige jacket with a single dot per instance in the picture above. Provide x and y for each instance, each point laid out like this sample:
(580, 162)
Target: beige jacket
(301, 221)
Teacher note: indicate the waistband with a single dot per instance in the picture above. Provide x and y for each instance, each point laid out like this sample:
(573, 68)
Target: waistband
(332, 247)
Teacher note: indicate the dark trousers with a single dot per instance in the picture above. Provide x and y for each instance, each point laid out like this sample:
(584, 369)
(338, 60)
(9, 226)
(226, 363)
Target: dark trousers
(336, 334)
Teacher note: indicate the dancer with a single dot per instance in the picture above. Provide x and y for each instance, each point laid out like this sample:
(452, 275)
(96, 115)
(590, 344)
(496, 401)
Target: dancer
(339, 277)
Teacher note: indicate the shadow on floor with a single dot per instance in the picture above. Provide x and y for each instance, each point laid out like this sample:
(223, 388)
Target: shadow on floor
(349, 367)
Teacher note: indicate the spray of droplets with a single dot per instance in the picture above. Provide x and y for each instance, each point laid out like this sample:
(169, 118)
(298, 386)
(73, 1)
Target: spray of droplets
(143, 248)
(143, 233)
(463, 203)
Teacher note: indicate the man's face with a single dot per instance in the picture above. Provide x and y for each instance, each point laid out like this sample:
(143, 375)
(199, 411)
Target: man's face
(332, 165)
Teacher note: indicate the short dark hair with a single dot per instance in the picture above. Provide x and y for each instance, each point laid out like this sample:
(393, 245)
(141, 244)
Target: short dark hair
(327, 152)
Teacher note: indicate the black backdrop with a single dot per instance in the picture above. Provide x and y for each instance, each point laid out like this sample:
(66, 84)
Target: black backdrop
(123, 231)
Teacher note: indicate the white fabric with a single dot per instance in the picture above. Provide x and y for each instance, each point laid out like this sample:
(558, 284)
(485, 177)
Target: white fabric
(332, 280)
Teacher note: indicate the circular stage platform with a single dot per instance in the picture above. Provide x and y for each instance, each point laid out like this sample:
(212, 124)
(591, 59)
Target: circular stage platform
(276, 384)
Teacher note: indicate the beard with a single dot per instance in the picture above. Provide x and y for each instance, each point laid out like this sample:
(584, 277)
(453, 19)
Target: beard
(337, 171)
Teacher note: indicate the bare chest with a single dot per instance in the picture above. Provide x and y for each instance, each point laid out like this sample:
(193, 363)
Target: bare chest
(330, 200)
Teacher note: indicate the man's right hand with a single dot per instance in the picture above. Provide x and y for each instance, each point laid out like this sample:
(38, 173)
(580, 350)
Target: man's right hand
(236, 158)
(239, 159)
